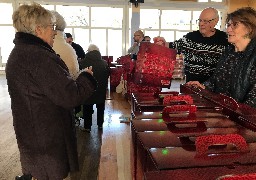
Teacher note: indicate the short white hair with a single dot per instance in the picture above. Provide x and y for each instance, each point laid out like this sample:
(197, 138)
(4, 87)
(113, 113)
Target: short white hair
(93, 47)
(60, 21)
(27, 17)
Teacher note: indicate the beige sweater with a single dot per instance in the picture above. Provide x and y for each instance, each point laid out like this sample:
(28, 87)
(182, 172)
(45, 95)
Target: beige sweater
(67, 54)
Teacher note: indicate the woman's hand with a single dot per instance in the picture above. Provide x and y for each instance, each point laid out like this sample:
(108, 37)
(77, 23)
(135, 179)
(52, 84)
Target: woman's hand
(196, 84)
(89, 70)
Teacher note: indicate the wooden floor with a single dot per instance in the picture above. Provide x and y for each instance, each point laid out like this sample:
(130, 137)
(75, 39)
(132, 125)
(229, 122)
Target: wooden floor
(102, 155)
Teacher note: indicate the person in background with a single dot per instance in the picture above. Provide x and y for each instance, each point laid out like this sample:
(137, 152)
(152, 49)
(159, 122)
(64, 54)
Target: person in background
(61, 47)
(147, 38)
(202, 49)
(101, 73)
(159, 40)
(67, 54)
(235, 74)
(43, 95)
(79, 50)
(134, 49)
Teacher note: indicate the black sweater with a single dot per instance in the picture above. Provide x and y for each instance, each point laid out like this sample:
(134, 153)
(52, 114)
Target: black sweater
(201, 54)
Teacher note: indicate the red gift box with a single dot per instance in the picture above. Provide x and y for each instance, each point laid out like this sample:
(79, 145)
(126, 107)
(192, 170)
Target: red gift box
(154, 65)
(180, 98)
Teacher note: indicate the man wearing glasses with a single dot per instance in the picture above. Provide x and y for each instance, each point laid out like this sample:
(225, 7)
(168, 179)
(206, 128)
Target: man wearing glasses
(203, 48)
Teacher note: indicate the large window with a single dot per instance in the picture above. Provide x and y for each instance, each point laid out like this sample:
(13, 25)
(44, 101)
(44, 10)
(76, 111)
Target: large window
(110, 31)
(170, 24)
(180, 22)
(87, 25)
(113, 17)
(74, 15)
(149, 18)
(6, 11)
(7, 32)
(81, 36)
(115, 42)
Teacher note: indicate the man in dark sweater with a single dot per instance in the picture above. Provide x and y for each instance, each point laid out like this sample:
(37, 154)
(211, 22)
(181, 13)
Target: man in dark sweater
(79, 50)
(202, 49)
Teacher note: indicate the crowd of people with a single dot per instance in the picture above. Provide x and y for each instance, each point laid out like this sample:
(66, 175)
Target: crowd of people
(51, 82)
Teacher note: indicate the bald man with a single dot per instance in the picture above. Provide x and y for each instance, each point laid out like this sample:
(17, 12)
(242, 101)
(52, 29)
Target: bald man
(203, 48)
(138, 36)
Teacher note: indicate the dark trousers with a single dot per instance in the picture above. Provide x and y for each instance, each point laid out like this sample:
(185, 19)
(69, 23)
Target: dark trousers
(88, 111)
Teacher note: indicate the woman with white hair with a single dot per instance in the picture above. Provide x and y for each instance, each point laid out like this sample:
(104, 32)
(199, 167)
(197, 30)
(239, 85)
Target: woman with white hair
(43, 95)
(61, 47)
(101, 74)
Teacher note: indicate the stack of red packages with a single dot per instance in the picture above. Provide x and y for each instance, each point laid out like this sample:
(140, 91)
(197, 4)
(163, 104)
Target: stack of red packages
(154, 65)
(126, 62)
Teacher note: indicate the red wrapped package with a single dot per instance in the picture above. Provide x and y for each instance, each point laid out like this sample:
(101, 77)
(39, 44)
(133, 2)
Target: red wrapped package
(126, 62)
(204, 142)
(179, 98)
(191, 108)
(154, 65)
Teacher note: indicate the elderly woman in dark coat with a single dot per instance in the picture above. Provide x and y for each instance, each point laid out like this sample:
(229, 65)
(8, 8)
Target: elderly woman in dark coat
(101, 73)
(43, 95)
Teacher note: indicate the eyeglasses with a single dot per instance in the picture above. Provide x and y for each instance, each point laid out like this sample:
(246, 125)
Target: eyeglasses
(204, 21)
(53, 26)
(233, 25)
